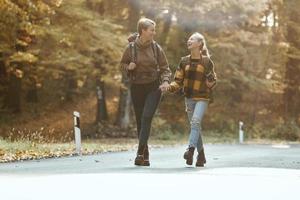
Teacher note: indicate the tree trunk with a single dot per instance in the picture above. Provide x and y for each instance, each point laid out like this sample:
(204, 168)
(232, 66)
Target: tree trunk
(166, 28)
(124, 117)
(3, 82)
(13, 98)
(101, 102)
(291, 93)
(134, 14)
(71, 86)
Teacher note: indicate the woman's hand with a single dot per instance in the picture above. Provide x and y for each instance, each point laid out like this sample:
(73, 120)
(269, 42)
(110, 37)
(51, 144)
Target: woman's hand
(131, 66)
(164, 86)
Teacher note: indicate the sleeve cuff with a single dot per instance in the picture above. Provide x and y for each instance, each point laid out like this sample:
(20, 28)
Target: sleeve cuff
(215, 83)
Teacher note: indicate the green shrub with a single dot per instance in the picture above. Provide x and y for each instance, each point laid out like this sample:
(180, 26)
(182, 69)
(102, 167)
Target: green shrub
(287, 131)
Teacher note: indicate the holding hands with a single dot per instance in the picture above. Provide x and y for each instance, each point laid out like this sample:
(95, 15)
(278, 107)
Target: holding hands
(164, 86)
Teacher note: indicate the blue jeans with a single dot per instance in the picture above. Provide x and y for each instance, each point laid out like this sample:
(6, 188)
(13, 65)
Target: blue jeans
(195, 110)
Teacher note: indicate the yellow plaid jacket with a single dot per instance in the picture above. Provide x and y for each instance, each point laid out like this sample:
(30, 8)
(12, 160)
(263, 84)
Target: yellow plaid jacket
(191, 75)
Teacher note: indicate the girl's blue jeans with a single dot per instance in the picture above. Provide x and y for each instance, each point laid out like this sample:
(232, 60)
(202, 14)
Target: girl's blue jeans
(195, 110)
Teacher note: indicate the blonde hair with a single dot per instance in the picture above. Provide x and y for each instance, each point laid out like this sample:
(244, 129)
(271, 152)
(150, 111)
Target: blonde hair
(201, 38)
(143, 24)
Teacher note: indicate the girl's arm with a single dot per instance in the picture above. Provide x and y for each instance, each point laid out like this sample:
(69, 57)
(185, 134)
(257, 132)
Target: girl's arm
(177, 84)
(211, 76)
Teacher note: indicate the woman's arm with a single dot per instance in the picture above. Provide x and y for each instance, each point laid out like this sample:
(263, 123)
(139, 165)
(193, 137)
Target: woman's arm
(125, 60)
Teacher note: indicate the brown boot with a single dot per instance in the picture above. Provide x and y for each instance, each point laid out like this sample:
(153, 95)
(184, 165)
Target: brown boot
(188, 155)
(146, 156)
(201, 160)
(139, 160)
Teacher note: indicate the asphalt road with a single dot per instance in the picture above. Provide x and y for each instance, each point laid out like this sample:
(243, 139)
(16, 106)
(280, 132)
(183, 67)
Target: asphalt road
(232, 172)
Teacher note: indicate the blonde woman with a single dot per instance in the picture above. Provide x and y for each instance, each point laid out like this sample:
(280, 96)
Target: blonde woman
(196, 75)
(147, 66)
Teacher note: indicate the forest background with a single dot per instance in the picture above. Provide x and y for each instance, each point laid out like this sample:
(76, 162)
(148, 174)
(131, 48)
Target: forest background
(56, 54)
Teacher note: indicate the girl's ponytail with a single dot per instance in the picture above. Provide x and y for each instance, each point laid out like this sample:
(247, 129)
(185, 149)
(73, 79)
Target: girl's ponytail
(203, 49)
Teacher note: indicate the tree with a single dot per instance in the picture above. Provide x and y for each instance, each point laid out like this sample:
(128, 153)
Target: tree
(125, 115)
(292, 93)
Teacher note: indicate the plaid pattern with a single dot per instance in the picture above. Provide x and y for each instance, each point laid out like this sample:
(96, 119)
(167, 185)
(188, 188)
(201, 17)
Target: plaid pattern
(191, 76)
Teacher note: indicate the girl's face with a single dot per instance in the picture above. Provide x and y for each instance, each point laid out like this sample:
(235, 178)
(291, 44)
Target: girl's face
(194, 43)
(149, 33)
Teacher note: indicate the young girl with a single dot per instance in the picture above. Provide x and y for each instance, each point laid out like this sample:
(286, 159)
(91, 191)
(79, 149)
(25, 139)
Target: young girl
(195, 74)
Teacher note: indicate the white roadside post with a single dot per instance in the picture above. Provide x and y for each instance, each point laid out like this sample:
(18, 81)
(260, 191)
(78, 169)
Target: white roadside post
(241, 132)
(77, 132)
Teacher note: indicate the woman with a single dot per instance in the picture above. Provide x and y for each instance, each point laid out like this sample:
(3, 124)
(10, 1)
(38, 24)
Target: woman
(147, 66)
(195, 74)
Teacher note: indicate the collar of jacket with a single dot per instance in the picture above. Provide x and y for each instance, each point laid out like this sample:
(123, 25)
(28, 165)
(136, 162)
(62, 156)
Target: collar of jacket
(142, 45)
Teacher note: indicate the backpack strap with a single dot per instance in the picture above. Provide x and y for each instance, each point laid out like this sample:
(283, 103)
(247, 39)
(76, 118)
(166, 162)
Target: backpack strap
(155, 49)
(133, 52)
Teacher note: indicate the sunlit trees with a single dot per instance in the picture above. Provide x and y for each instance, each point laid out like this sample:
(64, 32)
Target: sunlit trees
(60, 48)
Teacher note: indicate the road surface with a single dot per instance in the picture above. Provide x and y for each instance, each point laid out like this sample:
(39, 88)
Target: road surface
(232, 172)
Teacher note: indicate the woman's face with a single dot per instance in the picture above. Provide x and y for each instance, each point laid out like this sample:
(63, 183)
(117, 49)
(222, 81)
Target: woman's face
(149, 33)
(194, 43)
